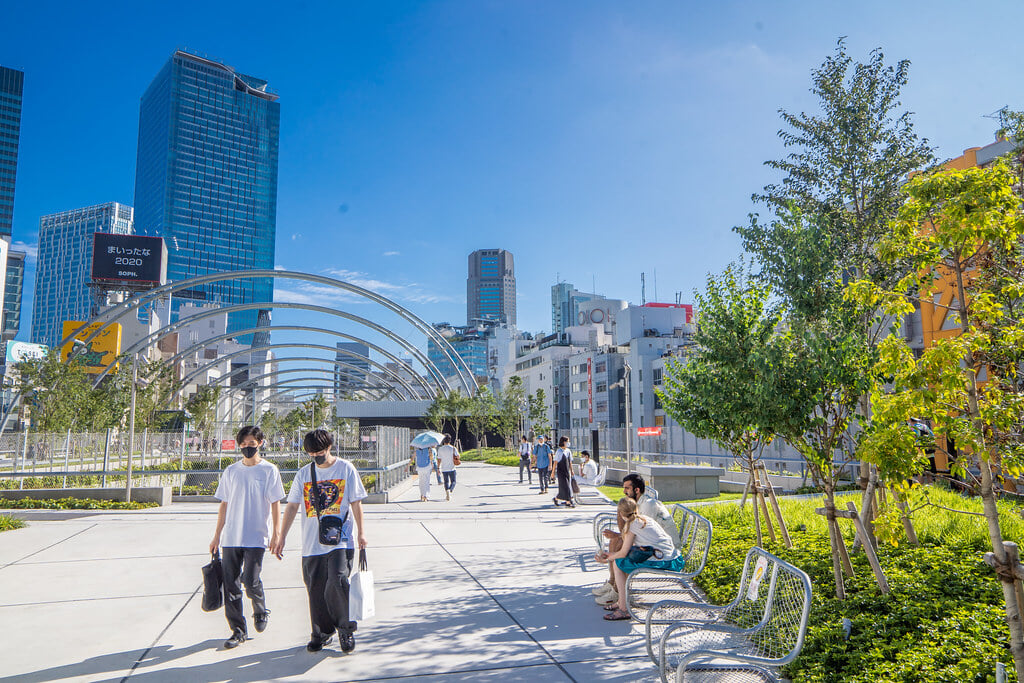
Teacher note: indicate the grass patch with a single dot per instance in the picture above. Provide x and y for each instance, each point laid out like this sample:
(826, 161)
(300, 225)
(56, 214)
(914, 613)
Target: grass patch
(72, 504)
(615, 492)
(8, 523)
(943, 620)
(491, 456)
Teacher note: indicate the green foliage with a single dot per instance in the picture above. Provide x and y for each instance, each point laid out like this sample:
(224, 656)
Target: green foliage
(72, 504)
(942, 622)
(481, 414)
(202, 406)
(510, 409)
(719, 391)
(537, 412)
(316, 411)
(436, 413)
(8, 523)
(491, 456)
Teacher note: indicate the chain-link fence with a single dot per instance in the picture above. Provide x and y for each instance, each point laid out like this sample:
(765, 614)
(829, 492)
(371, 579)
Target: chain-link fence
(189, 462)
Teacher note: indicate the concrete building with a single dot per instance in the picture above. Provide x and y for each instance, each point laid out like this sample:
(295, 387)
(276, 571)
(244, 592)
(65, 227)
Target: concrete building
(565, 306)
(491, 287)
(206, 177)
(346, 380)
(64, 265)
(12, 84)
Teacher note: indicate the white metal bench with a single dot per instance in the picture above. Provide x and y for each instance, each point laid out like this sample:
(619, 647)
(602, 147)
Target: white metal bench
(746, 640)
(589, 495)
(645, 587)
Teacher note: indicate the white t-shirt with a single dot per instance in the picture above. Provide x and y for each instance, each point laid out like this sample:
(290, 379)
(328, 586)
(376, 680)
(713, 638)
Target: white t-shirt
(249, 492)
(339, 486)
(653, 535)
(589, 472)
(446, 456)
(563, 453)
(525, 450)
(651, 507)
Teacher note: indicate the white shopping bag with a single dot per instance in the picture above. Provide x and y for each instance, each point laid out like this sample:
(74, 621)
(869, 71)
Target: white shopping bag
(360, 592)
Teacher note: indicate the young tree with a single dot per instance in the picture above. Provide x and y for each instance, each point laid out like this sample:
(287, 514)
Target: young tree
(437, 413)
(456, 405)
(269, 423)
(202, 405)
(511, 407)
(481, 413)
(58, 394)
(719, 391)
(537, 412)
(962, 232)
(316, 411)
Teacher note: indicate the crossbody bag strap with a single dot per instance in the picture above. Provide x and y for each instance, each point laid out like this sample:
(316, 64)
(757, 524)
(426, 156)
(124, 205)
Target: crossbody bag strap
(314, 490)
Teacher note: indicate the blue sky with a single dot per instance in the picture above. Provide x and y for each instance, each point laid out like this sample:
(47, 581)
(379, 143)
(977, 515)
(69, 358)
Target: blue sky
(595, 140)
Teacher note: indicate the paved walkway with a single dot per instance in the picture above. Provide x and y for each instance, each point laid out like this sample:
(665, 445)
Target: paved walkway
(490, 586)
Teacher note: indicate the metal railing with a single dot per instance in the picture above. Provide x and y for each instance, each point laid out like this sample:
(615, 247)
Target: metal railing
(189, 462)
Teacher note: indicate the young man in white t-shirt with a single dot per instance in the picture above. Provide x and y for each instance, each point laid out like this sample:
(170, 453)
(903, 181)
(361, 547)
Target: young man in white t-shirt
(250, 492)
(325, 568)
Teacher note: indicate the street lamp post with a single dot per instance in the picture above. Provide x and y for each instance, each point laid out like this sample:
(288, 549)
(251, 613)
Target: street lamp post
(624, 383)
(131, 428)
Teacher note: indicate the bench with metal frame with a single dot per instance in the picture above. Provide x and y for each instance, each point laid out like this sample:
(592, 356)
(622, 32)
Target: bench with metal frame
(588, 493)
(762, 629)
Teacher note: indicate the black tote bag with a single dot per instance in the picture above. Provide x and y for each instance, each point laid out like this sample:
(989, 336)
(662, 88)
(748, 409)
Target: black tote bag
(213, 584)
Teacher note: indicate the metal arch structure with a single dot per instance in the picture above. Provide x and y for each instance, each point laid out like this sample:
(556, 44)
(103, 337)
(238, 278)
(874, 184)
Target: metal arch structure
(134, 303)
(303, 328)
(315, 359)
(148, 340)
(384, 389)
(218, 361)
(310, 393)
(188, 379)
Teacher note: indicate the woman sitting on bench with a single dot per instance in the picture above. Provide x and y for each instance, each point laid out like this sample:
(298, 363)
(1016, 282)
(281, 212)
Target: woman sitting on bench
(644, 544)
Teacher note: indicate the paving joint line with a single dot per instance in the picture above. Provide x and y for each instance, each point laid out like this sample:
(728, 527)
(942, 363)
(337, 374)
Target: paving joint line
(161, 635)
(501, 606)
(80, 531)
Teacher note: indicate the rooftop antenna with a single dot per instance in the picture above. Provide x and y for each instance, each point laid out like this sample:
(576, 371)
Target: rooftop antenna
(593, 283)
(655, 284)
(643, 290)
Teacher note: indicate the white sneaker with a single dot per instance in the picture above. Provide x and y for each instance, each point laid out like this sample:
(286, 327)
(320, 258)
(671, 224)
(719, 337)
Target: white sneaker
(607, 598)
(603, 588)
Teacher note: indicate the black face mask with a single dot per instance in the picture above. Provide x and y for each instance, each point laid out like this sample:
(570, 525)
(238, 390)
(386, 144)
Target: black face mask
(249, 451)
(320, 459)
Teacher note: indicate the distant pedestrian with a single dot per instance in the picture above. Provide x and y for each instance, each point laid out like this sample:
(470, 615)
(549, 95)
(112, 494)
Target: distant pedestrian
(542, 452)
(425, 464)
(250, 491)
(525, 451)
(446, 455)
(563, 472)
(328, 537)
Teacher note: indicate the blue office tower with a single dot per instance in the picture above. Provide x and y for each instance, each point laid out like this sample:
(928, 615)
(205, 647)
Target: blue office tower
(206, 177)
(64, 266)
(11, 84)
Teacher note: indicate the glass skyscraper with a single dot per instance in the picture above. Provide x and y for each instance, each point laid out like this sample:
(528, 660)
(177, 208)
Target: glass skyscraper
(64, 265)
(491, 287)
(206, 177)
(11, 83)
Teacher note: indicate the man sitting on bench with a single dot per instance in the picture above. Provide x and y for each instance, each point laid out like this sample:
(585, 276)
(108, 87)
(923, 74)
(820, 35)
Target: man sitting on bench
(588, 470)
(633, 486)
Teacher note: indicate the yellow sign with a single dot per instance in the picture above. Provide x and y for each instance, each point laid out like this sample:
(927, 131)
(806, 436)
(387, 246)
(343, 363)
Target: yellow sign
(100, 351)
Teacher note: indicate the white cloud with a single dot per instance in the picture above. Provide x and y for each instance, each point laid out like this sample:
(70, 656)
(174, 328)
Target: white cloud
(31, 250)
(392, 253)
(296, 235)
(324, 295)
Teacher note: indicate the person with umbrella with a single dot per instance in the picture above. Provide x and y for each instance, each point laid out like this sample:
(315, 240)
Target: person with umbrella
(426, 459)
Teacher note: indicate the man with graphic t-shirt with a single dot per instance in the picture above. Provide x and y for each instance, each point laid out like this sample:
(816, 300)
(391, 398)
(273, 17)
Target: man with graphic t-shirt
(325, 568)
(250, 492)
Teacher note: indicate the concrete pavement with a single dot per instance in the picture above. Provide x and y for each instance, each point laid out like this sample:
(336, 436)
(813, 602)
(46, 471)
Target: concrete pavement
(493, 585)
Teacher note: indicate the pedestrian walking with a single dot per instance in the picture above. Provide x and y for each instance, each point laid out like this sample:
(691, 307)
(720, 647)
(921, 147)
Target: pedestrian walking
(563, 473)
(542, 452)
(525, 451)
(447, 459)
(329, 488)
(248, 522)
(425, 459)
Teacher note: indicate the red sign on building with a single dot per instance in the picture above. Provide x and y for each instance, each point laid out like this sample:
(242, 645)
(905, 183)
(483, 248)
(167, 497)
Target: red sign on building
(227, 444)
(590, 389)
(648, 431)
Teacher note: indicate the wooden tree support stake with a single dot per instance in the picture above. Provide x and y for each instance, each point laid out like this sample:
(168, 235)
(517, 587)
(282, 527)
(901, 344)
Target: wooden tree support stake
(869, 550)
(776, 509)
(759, 497)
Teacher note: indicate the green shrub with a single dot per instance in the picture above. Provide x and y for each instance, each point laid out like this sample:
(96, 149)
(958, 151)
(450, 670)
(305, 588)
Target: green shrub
(72, 504)
(942, 621)
(7, 523)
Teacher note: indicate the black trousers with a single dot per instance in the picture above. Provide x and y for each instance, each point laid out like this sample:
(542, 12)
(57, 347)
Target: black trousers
(326, 579)
(242, 566)
(544, 476)
(525, 462)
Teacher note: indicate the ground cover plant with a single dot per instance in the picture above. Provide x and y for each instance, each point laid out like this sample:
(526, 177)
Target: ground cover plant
(943, 620)
(7, 523)
(72, 504)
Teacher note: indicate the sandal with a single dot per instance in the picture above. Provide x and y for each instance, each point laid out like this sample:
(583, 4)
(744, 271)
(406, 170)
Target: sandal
(617, 615)
(555, 501)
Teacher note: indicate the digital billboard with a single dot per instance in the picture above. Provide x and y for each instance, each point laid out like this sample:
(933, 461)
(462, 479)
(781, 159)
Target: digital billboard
(21, 351)
(133, 260)
(99, 352)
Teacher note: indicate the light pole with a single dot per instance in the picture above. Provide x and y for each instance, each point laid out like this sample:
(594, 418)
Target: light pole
(131, 428)
(624, 383)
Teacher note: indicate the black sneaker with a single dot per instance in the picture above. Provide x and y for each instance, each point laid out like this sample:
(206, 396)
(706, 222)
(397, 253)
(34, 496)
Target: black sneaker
(261, 621)
(347, 640)
(317, 644)
(234, 641)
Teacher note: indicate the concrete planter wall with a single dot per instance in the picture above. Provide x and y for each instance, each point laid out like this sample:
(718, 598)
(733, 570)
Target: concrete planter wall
(161, 495)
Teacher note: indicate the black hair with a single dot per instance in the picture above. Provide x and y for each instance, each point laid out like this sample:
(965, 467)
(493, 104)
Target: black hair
(317, 440)
(636, 480)
(446, 440)
(586, 453)
(562, 440)
(249, 430)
